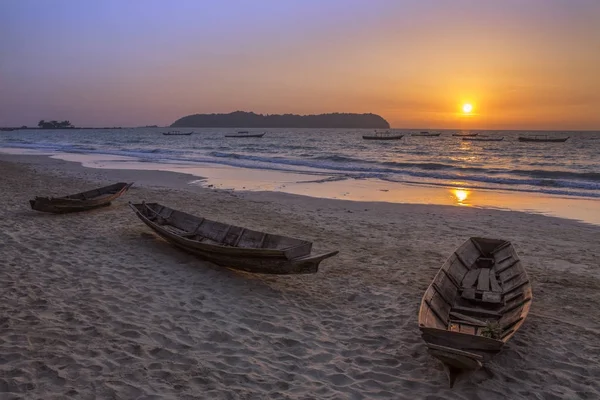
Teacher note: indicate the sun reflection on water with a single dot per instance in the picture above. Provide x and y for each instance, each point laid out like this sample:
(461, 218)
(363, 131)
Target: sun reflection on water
(461, 195)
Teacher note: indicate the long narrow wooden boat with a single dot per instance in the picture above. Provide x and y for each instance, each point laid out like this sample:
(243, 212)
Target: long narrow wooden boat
(382, 136)
(231, 246)
(465, 134)
(475, 304)
(426, 134)
(543, 139)
(177, 133)
(484, 139)
(246, 135)
(81, 201)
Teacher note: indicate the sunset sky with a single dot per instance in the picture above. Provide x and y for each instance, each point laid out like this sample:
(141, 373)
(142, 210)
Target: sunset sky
(526, 64)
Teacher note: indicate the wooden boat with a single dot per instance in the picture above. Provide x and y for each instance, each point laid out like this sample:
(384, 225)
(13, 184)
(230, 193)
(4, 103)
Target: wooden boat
(382, 136)
(475, 304)
(245, 134)
(484, 139)
(465, 134)
(231, 246)
(542, 139)
(177, 133)
(81, 201)
(426, 134)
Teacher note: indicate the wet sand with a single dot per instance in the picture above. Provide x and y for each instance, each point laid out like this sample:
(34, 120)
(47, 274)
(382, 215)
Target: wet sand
(94, 305)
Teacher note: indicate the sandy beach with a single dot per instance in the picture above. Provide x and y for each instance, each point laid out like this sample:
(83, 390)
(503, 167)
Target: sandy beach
(94, 305)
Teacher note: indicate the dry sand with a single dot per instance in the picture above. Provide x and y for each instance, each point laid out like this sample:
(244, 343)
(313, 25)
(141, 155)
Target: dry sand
(93, 305)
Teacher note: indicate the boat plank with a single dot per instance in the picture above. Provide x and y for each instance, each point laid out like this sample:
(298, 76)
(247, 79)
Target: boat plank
(494, 285)
(477, 311)
(466, 318)
(483, 283)
(470, 278)
(468, 254)
(460, 341)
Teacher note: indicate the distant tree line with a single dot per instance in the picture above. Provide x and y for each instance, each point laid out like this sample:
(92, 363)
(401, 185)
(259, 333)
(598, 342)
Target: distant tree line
(55, 124)
(241, 119)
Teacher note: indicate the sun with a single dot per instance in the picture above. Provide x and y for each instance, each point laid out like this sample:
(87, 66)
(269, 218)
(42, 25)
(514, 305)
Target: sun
(467, 108)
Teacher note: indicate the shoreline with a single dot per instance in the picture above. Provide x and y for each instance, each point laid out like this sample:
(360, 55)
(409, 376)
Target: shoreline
(321, 184)
(97, 306)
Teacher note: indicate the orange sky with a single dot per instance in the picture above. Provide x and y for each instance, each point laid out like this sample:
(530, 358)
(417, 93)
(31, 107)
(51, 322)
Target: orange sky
(522, 64)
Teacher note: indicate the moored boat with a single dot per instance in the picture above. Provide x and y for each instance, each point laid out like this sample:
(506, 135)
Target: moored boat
(542, 139)
(231, 246)
(426, 134)
(465, 134)
(382, 136)
(245, 134)
(475, 304)
(177, 133)
(81, 201)
(484, 139)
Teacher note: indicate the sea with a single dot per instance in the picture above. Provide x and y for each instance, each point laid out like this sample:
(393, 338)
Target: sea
(571, 168)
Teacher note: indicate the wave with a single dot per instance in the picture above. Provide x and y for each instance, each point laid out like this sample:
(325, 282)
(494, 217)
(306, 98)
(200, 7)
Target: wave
(341, 166)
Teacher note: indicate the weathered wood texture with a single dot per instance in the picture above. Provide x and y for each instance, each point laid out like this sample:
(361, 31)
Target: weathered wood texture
(81, 201)
(482, 283)
(229, 245)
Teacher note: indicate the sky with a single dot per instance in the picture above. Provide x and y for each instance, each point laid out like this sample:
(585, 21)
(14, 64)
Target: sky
(522, 64)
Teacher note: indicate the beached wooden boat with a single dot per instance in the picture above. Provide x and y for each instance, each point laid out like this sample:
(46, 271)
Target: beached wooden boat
(231, 246)
(484, 139)
(426, 134)
(475, 304)
(177, 133)
(542, 139)
(81, 201)
(465, 134)
(245, 134)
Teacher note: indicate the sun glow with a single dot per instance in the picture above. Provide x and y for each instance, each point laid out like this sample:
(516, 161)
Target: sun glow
(467, 108)
(461, 195)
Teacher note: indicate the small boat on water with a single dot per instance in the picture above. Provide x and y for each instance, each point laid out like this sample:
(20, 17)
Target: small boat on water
(465, 134)
(81, 201)
(382, 136)
(484, 139)
(231, 246)
(246, 134)
(7, 129)
(475, 304)
(177, 133)
(426, 134)
(542, 139)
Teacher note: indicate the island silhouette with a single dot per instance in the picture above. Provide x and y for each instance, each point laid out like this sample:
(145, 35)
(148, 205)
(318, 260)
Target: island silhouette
(242, 119)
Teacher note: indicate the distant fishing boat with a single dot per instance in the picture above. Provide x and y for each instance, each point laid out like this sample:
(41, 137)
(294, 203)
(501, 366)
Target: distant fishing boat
(542, 139)
(426, 134)
(246, 134)
(382, 136)
(465, 134)
(177, 133)
(484, 139)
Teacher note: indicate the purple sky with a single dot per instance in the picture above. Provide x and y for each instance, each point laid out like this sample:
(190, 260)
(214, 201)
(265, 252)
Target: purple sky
(522, 64)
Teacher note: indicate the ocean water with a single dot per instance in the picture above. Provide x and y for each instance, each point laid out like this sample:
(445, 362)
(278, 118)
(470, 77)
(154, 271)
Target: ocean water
(571, 168)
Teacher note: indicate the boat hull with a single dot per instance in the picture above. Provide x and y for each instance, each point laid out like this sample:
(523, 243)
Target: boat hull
(84, 201)
(398, 137)
(480, 139)
(294, 258)
(246, 136)
(475, 304)
(534, 140)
